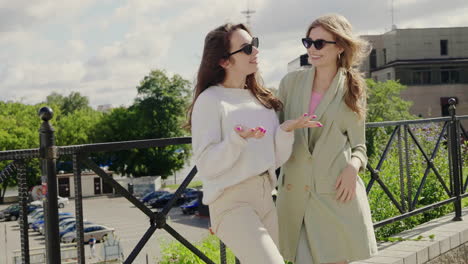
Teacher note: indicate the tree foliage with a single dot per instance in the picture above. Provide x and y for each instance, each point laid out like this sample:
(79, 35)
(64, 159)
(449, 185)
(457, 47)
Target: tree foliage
(158, 112)
(68, 104)
(384, 103)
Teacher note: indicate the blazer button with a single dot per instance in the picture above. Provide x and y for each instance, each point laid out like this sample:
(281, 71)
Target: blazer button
(307, 188)
(289, 187)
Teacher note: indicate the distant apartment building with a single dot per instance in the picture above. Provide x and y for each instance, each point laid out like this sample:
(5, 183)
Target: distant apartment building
(431, 62)
(105, 108)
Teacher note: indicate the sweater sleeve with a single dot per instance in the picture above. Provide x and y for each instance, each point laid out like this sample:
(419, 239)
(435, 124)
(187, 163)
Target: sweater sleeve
(283, 140)
(213, 154)
(283, 145)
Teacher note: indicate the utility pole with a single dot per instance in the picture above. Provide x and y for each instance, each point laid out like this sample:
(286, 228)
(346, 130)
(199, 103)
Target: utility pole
(248, 14)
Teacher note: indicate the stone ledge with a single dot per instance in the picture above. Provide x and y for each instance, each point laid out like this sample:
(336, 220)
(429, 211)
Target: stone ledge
(449, 245)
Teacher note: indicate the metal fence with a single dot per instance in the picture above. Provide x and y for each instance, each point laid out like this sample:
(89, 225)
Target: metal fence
(452, 132)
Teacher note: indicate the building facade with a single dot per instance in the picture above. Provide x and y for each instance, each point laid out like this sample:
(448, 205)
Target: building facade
(431, 62)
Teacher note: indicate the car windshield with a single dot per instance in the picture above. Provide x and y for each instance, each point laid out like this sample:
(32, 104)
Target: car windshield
(147, 195)
(70, 228)
(167, 196)
(13, 208)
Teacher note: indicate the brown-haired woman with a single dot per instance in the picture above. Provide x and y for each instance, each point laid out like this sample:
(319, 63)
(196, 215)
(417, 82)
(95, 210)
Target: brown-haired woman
(238, 143)
(323, 211)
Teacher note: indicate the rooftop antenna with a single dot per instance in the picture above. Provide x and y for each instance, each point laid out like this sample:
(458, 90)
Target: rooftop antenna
(393, 16)
(248, 14)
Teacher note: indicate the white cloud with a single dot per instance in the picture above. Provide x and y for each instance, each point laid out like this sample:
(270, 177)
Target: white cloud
(103, 48)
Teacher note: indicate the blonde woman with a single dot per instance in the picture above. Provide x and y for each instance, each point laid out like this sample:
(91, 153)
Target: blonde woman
(324, 214)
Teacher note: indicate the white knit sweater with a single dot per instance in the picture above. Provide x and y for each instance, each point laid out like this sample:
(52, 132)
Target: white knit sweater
(223, 158)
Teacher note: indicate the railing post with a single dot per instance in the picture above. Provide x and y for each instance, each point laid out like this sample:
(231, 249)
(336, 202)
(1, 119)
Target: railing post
(454, 143)
(78, 209)
(23, 197)
(48, 153)
(222, 252)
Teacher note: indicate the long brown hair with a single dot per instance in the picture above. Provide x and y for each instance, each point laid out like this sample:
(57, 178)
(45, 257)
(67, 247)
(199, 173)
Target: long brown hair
(217, 46)
(355, 50)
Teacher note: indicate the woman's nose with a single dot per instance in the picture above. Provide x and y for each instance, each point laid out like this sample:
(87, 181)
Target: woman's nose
(255, 50)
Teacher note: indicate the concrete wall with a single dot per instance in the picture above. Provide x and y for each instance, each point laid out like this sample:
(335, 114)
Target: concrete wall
(457, 255)
(426, 98)
(383, 74)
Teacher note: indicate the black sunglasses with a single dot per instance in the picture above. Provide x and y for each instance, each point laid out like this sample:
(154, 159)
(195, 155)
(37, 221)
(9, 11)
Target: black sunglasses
(318, 44)
(247, 49)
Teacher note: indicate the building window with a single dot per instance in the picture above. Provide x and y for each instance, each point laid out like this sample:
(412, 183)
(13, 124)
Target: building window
(373, 59)
(384, 56)
(449, 76)
(443, 47)
(389, 75)
(422, 77)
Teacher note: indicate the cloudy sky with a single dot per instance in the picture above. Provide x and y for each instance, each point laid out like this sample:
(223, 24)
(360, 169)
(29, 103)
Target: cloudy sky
(103, 48)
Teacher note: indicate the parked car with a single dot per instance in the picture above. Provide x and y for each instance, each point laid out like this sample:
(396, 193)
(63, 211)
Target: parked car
(72, 227)
(63, 221)
(152, 195)
(163, 200)
(61, 202)
(12, 212)
(40, 220)
(37, 212)
(190, 207)
(98, 231)
(189, 194)
(41, 226)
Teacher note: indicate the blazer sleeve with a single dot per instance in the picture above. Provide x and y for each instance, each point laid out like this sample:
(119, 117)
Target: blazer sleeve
(357, 138)
(212, 153)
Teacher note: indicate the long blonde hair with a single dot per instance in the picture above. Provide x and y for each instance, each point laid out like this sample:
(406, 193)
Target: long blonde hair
(355, 51)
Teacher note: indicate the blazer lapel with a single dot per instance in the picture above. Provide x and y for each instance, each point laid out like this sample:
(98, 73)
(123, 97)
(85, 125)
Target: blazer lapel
(332, 92)
(306, 92)
(328, 106)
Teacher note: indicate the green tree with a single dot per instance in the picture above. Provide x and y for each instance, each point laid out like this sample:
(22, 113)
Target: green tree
(158, 112)
(68, 104)
(19, 126)
(78, 127)
(19, 129)
(384, 103)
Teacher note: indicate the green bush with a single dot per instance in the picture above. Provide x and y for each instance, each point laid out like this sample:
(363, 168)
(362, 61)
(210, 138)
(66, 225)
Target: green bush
(175, 252)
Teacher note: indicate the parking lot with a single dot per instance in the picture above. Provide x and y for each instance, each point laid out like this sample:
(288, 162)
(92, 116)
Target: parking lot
(116, 212)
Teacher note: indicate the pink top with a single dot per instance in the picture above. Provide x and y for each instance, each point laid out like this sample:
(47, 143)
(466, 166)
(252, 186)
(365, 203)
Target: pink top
(315, 99)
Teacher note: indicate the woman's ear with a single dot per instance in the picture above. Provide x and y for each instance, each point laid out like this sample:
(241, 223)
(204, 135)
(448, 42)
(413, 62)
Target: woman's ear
(225, 63)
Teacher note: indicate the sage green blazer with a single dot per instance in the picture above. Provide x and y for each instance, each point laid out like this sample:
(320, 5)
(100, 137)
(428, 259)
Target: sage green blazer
(306, 191)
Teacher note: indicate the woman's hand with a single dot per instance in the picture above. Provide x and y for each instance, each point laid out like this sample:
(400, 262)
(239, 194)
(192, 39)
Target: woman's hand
(346, 183)
(302, 122)
(246, 132)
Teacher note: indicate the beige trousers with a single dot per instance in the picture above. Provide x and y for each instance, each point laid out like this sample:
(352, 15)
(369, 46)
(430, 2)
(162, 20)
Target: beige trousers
(244, 217)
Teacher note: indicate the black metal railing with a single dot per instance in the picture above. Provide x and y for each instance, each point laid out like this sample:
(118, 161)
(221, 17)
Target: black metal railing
(452, 131)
